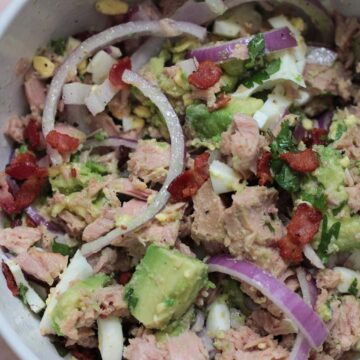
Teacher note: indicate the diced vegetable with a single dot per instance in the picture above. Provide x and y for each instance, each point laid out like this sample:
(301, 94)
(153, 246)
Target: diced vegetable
(100, 66)
(110, 337)
(350, 280)
(223, 178)
(218, 318)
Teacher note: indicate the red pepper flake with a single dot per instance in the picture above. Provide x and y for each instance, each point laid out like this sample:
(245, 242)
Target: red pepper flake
(10, 281)
(263, 168)
(116, 73)
(303, 226)
(316, 137)
(124, 277)
(186, 185)
(304, 161)
(206, 76)
(63, 143)
(73, 172)
(221, 102)
(32, 133)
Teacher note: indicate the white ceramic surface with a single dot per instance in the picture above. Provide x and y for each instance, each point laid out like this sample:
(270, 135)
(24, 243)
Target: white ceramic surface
(24, 26)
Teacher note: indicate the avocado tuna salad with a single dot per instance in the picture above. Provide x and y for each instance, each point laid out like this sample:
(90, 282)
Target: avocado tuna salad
(185, 184)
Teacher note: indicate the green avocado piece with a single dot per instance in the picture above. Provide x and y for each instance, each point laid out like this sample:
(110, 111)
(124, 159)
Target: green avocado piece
(207, 125)
(73, 299)
(164, 285)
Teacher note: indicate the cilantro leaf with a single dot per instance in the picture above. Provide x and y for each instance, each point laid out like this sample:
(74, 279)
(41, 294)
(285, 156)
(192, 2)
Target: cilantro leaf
(22, 293)
(23, 149)
(326, 236)
(58, 45)
(353, 288)
(96, 167)
(259, 77)
(338, 209)
(287, 179)
(318, 201)
(341, 128)
(101, 135)
(256, 49)
(63, 249)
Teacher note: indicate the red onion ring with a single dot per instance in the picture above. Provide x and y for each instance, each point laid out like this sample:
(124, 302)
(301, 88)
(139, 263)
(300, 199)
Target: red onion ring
(176, 163)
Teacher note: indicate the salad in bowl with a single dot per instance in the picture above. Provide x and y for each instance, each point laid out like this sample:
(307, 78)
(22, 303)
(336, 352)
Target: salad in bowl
(186, 184)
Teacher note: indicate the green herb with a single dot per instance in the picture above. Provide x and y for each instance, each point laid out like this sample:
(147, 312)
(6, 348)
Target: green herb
(130, 298)
(22, 293)
(284, 176)
(63, 249)
(101, 135)
(23, 149)
(340, 130)
(339, 208)
(353, 288)
(169, 302)
(256, 49)
(58, 45)
(326, 236)
(318, 201)
(270, 227)
(96, 167)
(259, 77)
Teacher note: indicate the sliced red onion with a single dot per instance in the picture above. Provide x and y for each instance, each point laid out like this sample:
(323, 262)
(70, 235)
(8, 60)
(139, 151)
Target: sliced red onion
(301, 349)
(99, 41)
(308, 322)
(321, 56)
(75, 93)
(312, 256)
(111, 142)
(188, 66)
(144, 12)
(40, 220)
(325, 119)
(275, 40)
(176, 163)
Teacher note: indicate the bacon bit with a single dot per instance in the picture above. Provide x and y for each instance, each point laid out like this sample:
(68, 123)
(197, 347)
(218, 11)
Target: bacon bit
(10, 281)
(186, 185)
(221, 102)
(303, 226)
(124, 277)
(28, 192)
(73, 172)
(263, 168)
(116, 73)
(63, 143)
(24, 158)
(316, 137)
(304, 161)
(32, 134)
(207, 75)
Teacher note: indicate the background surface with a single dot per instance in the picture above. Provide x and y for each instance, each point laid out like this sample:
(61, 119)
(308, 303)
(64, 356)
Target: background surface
(5, 352)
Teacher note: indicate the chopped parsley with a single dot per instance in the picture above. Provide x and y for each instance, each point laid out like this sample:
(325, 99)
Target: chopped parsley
(23, 149)
(22, 293)
(259, 77)
(256, 49)
(340, 130)
(58, 45)
(283, 175)
(269, 226)
(96, 167)
(338, 209)
(318, 200)
(169, 302)
(326, 236)
(130, 298)
(353, 288)
(101, 135)
(63, 249)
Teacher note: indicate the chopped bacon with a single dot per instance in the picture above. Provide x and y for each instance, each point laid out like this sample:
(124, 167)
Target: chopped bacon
(73, 172)
(304, 161)
(184, 186)
(24, 158)
(124, 277)
(10, 281)
(316, 137)
(116, 72)
(32, 134)
(263, 168)
(221, 102)
(303, 226)
(28, 192)
(207, 75)
(63, 143)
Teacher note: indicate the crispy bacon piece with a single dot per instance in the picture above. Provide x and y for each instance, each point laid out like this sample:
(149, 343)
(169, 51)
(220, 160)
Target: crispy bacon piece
(21, 171)
(303, 226)
(10, 281)
(184, 186)
(124, 277)
(304, 161)
(316, 137)
(63, 143)
(263, 168)
(221, 102)
(32, 133)
(207, 75)
(28, 192)
(117, 70)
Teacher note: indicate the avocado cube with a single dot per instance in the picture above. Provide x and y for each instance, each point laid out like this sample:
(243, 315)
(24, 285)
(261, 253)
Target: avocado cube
(164, 285)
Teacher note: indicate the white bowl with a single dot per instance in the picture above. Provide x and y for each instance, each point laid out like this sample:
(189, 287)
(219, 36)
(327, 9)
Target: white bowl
(24, 26)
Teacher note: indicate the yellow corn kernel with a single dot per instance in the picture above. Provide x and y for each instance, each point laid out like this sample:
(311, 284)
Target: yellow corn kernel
(307, 124)
(82, 67)
(138, 123)
(43, 66)
(111, 7)
(142, 111)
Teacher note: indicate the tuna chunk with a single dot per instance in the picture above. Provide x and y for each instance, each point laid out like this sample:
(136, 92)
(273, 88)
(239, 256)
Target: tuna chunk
(74, 225)
(111, 301)
(209, 211)
(245, 344)
(350, 143)
(150, 161)
(102, 225)
(35, 91)
(186, 346)
(346, 27)
(19, 239)
(241, 141)
(327, 279)
(105, 261)
(354, 197)
(15, 129)
(44, 266)
(253, 227)
(104, 122)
